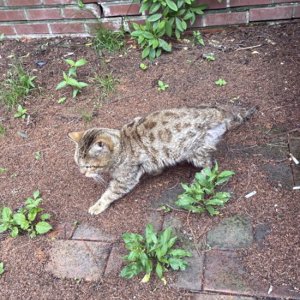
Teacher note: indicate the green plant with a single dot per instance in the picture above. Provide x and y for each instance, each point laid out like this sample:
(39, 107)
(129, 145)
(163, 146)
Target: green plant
(70, 77)
(26, 219)
(38, 155)
(166, 18)
(162, 86)
(17, 85)
(3, 170)
(2, 129)
(2, 268)
(21, 112)
(201, 195)
(108, 40)
(209, 56)
(80, 4)
(198, 39)
(107, 83)
(143, 66)
(220, 82)
(154, 251)
(62, 100)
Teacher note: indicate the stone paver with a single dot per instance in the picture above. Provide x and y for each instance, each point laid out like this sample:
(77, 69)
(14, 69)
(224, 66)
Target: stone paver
(115, 261)
(168, 197)
(231, 233)
(261, 232)
(78, 259)
(220, 297)
(63, 231)
(89, 233)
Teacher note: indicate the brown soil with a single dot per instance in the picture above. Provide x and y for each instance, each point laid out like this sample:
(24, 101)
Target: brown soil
(266, 76)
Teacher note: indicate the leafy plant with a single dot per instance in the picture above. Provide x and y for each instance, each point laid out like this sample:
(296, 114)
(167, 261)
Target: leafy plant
(2, 269)
(167, 18)
(3, 170)
(17, 85)
(220, 82)
(154, 251)
(108, 40)
(70, 77)
(201, 195)
(198, 39)
(162, 86)
(26, 219)
(38, 155)
(62, 100)
(80, 4)
(107, 83)
(21, 112)
(209, 56)
(143, 66)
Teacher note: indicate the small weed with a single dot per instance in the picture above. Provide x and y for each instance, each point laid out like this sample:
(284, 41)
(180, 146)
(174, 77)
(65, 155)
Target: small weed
(80, 4)
(198, 39)
(220, 82)
(165, 208)
(152, 252)
(209, 56)
(70, 77)
(38, 155)
(18, 85)
(2, 268)
(21, 112)
(143, 66)
(107, 83)
(2, 170)
(26, 219)
(87, 116)
(162, 86)
(108, 40)
(201, 195)
(62, 100)
(2, 129)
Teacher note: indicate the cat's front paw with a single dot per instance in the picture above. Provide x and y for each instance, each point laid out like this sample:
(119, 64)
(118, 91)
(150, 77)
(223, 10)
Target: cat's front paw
(97, 209)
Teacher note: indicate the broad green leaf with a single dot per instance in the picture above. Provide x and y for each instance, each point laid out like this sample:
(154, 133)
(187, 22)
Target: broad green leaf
(159, 270)
(180, 253)
(75, 92)
(21, 220)
(137, 33)
(6, 214)
(144, 7)
(70, 62)
(166, 235)
(168, 28)
(45, 217)
(80, 62)
(145, 52)
(2, 269)
(185, 200)
(148, 35)
(163, 44)
(132, 237)
(61, 85)
(72, 82)
(42, 227)
(179, 25)
(150, 235)
(214, 201)
(172, 5)
(158, 52)
(82, 85)
(154, 18)
(3, 227)
(154, 8)
(32, 214)
(146, 278)
(72, 72)
(14, 232)
(152, 54)
(131, 270)
(177, 34)
(177, 263)
(172, 241)
(36, 194)
(212, 211)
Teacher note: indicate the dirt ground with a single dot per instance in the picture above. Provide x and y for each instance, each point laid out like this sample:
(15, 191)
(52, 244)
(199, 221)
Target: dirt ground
(261, 65)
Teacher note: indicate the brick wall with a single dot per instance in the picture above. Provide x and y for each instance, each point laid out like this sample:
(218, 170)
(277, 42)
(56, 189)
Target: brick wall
(38, 18)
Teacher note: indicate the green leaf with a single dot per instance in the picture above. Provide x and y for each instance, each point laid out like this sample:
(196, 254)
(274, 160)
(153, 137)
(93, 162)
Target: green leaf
(159, 270)
(132, 238)
(154, 17)
(61, 100)
(177, 263)
(172, 5)
(32, 214)
(179, 25)
(45, 217)
(179, 253)
(2, 269)
(6, 214)
(14, 232)
(80, 62)
(42, 227)
(154, 8)
(72, 72)
(150, 235)
(36, 194)
(61, 85)
(212, 211)
(81, 84)
(21, 220)
(185, 200)
(146, 278)
(70, 62)
(75, 92)
(168, 28)
(163, 44)
(144, 7)
(131, 270)
(3, 227)
(145, 52)
(143, 66)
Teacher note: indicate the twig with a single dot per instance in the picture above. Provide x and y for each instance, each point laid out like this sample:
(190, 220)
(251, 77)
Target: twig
(248, 48)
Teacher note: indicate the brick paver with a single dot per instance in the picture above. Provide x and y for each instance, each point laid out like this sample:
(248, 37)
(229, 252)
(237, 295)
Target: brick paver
(86, 232)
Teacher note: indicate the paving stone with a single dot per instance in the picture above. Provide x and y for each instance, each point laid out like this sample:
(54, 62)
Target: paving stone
(156, 218)
(78, 259)
(261, 232)
(191, 278)
(168, 197)
(231, 233)
(63, 231)
(220, 297)
(115, 261)
(88, 233)
(279, 175)
(225, 273)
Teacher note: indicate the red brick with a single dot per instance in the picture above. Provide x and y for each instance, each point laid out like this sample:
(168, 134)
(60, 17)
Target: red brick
(12, 15)
(89, 1)
(7, 29)
(271, 13)
(31, 29)
(23, 2)
(213, 4)
(52, 2)
(224, 19)
(285, 1)
(120, 9)
(76, 13)
(43, 14)
(296, 12)
(65, 28)
(234, 3)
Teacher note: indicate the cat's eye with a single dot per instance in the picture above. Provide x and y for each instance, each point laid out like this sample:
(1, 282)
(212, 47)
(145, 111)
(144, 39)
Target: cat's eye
(100, 144)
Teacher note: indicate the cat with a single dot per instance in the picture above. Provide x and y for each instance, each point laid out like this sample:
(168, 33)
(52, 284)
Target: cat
(149, 144)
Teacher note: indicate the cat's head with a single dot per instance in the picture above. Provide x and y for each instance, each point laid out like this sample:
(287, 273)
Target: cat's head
(95, 151)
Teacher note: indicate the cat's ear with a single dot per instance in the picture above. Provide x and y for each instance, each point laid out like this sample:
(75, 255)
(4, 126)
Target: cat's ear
(76, 136)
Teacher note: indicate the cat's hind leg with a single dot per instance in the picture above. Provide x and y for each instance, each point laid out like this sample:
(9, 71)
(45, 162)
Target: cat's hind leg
(118, 187)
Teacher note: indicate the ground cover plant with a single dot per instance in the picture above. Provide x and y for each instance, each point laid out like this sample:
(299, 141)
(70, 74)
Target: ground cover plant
(202, 195)
(27, 219)
(153, 252)
(2, 268)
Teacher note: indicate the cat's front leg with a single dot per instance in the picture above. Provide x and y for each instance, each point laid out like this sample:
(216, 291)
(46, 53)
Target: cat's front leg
(118, 187)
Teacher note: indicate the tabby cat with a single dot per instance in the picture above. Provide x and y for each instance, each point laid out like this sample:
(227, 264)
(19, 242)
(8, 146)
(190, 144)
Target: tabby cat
(149, 144)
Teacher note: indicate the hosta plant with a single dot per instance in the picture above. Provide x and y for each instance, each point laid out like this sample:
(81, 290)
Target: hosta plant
(202, 194)
(27, 219)
(154, 252)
